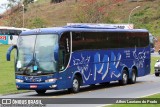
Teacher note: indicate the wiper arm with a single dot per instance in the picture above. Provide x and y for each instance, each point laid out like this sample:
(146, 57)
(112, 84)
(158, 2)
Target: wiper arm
(32, 62)
(29, 64)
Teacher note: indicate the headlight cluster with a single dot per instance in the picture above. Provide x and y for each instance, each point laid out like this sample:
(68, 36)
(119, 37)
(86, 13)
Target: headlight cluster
(18, 80)
(51, 80)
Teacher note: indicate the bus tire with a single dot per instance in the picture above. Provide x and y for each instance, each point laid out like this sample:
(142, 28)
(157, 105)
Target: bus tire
(133, 77)
(75, 85)
(156, 74)
(124, 80)
(40, 92)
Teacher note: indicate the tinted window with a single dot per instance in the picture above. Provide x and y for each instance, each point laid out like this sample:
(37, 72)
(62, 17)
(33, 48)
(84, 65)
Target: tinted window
(106, 40)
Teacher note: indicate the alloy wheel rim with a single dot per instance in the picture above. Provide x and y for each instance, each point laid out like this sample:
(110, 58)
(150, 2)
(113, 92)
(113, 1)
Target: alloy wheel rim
(133, 76)
(75, 84)
(125, 78)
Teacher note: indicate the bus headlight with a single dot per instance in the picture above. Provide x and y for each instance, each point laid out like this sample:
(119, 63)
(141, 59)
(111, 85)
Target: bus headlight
(18, 80)
(51, 80)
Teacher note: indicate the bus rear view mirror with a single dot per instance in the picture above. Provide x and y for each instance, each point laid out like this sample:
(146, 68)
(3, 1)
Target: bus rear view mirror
(8, 56)
(56, 48)
(11, 37)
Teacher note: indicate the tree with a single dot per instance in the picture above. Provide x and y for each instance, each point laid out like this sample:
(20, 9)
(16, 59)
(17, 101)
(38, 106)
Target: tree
(10, 9)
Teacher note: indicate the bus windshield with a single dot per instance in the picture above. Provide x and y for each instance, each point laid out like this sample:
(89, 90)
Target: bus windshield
(36, 51)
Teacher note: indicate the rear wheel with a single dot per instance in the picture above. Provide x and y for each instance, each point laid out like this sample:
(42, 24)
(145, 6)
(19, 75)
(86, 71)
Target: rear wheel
(156, 74)
(124, 80)
(75, 85)
(40, 92)
(133, 78)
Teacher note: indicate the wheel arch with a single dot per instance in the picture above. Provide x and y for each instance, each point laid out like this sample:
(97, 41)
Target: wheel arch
(126, 69)
(79, 75)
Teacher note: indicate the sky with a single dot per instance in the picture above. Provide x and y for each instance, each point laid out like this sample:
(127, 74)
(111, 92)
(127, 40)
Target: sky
(2, 2)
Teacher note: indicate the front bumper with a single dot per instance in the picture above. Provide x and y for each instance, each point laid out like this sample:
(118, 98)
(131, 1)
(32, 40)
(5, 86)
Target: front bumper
(36, 86)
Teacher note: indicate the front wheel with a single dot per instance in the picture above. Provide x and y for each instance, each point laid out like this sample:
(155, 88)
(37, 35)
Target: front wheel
(40, 92)
(75, 85)
(124, 80)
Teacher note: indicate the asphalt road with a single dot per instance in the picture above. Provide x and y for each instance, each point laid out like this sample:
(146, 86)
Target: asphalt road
(145, 86)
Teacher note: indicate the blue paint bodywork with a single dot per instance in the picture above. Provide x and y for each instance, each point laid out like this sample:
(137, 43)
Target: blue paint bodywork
(95, 66)
(9, 52)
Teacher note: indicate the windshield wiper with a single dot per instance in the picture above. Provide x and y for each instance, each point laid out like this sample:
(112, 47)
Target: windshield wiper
(33, 60)
(28, 65)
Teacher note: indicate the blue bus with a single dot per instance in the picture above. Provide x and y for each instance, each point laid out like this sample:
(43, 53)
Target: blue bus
(72, 56)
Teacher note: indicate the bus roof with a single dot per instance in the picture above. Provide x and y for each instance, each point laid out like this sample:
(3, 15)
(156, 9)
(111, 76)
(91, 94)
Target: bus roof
(12, 28)
(79, 28)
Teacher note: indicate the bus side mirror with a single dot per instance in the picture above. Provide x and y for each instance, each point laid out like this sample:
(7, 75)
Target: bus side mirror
(8, 56)
(11, 37)
(56, 48)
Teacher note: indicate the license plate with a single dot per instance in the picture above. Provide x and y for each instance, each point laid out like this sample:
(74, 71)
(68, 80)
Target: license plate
(33, 86)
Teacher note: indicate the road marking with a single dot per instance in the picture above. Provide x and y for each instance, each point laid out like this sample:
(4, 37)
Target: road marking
(104, 105)
(149, 95)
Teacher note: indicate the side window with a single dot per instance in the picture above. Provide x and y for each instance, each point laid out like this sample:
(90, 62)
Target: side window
(64, 50)
(108, 40)
(79, 41)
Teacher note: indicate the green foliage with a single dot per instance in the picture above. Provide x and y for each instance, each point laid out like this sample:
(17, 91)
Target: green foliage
(141, 13)
(37, 23)
(147, 18)
(109, 20)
